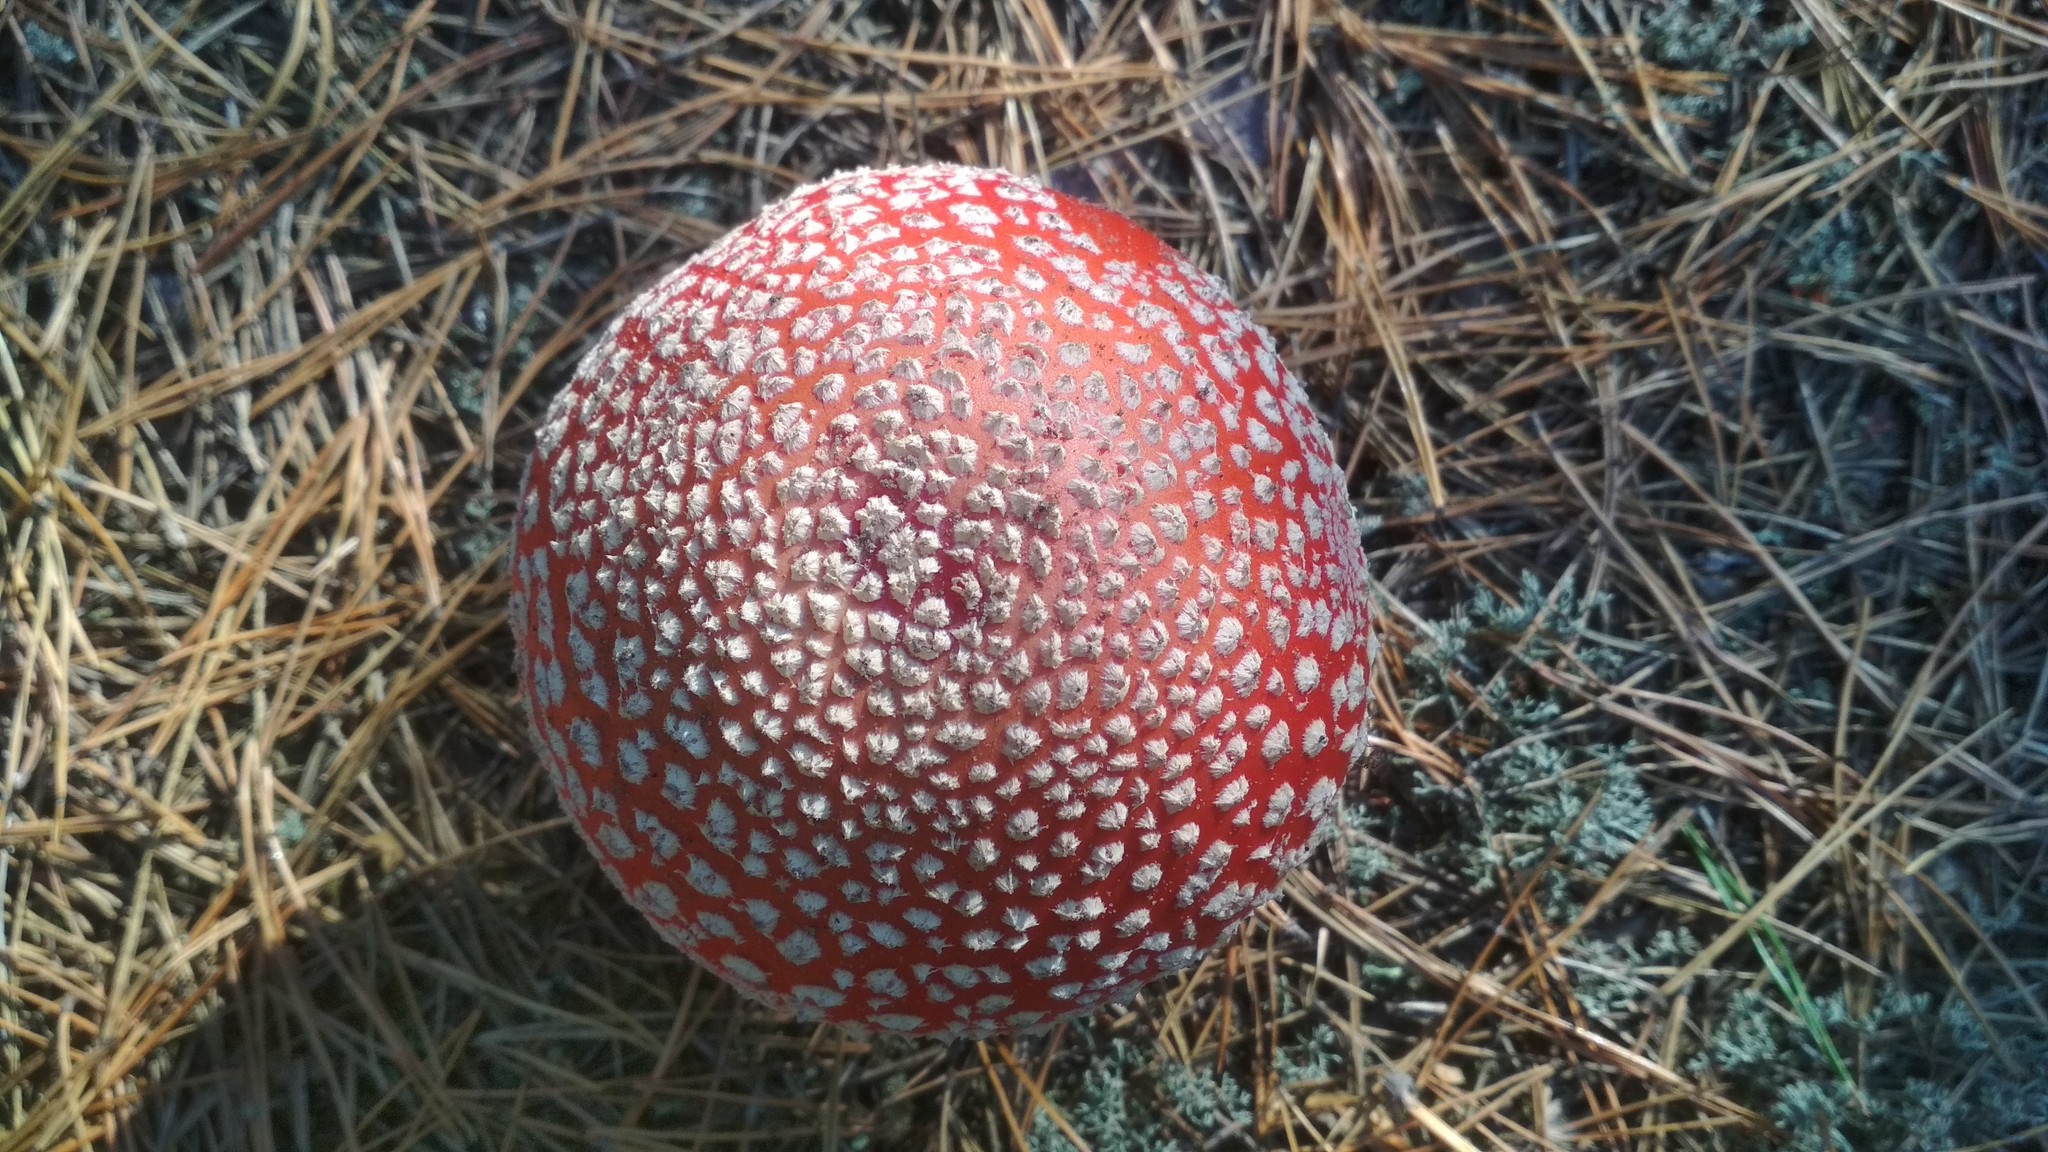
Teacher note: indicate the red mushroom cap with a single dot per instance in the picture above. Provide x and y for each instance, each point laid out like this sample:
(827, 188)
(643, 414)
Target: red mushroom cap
(939, 607)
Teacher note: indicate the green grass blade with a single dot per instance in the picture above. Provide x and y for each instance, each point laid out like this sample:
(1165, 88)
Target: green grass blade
(1777, 959)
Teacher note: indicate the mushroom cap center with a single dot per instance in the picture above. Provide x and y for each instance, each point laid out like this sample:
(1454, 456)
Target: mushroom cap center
(939, 573)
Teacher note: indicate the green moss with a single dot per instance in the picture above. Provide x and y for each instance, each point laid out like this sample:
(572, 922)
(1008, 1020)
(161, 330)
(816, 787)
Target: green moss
(1363, 860)
(1728, 36)
(1316, 1055)
(46, 47)
(1828, 256)
(1117, 1095)
(1099, 1106)
(291, 827)
(1606, 974)
(1913, 1094)
(479, 535)
(1535, 790)
(1203, 1098)
(465, 390)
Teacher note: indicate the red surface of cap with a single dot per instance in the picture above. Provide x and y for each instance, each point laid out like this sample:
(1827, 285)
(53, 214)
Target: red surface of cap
(939, 607)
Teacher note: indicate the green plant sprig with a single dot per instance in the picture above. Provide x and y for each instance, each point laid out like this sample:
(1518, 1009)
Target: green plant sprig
(1777, 959)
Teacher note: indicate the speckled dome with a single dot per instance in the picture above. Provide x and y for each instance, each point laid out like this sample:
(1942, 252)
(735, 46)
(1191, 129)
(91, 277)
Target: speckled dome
(938, 606)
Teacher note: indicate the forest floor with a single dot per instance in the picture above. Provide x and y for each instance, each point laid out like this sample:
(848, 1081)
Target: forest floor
(1691, 366)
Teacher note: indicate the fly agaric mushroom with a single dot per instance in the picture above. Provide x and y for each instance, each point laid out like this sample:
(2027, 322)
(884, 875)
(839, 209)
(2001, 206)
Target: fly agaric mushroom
(938, 606)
